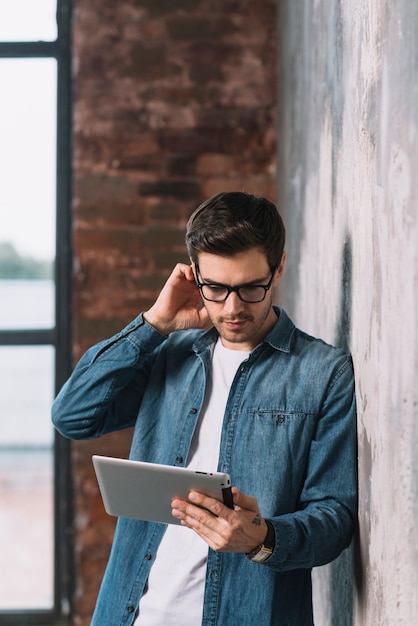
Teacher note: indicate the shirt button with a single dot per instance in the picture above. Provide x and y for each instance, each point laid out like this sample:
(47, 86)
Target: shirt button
(179, 459)
(193, 410)
(131, 608)
(148, 557)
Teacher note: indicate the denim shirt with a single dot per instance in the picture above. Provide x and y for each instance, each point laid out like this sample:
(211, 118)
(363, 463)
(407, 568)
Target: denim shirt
(288, 439)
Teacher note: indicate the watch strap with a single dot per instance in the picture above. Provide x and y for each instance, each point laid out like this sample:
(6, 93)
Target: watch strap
(263, 552)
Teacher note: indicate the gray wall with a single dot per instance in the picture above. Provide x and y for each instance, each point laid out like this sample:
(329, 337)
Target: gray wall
(348, 188)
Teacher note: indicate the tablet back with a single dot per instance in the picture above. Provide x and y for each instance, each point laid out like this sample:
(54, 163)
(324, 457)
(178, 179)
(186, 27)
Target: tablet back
(145, 490)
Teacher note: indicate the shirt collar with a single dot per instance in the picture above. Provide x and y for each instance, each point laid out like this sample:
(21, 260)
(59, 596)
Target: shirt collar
(279, 337)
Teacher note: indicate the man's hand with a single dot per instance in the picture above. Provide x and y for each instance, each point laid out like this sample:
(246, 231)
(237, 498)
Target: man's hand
(225, 530)
(179, 305)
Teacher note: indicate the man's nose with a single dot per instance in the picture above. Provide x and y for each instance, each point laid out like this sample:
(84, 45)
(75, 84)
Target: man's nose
(233, 303)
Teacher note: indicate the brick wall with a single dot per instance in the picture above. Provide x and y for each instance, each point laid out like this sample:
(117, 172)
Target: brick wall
(174, 100)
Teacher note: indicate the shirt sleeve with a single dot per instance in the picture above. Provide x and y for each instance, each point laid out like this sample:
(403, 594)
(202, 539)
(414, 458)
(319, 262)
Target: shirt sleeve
(105, 390)
(326, 519)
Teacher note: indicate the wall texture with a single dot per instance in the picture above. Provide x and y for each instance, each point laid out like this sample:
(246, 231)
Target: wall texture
(348, 122)
(174, 100)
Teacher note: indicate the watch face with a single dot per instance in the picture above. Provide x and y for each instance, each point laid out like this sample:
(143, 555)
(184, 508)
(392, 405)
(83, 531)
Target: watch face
(261, 555)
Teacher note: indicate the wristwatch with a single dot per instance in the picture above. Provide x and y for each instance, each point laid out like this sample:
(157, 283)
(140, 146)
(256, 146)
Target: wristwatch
(264, 551)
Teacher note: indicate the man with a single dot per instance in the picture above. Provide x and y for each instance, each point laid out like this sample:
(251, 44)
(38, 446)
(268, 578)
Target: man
(213, 376)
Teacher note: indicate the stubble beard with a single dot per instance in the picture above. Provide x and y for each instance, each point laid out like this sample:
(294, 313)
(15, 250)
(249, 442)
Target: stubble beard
(247, 334)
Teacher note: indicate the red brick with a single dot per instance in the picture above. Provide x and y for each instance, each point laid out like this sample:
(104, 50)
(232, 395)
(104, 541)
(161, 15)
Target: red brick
(167, 6)
(215, 164)
(189, 27)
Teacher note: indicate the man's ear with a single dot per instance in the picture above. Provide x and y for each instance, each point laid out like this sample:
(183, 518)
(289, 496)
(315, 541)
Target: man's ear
(193, 266)
(280, 269)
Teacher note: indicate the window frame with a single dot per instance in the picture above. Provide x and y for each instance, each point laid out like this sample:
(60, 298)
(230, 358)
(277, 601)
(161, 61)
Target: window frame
(60, 336)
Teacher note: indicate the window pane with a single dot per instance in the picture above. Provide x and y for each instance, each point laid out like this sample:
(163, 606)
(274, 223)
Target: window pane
(28, 20)
(26, 477)
(27, 173)
(26, 393)
(26, 523)
(26, 304)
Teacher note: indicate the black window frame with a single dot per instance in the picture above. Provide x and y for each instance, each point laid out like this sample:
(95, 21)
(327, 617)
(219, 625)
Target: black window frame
(60, 336)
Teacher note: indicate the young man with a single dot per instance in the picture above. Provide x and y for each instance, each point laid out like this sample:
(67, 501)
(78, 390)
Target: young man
(213, 376)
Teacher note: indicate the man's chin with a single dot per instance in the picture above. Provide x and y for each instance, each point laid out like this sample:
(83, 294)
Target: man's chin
(235, 337)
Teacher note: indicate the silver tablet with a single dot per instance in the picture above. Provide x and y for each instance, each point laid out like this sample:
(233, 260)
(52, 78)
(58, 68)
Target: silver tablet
(145, 490)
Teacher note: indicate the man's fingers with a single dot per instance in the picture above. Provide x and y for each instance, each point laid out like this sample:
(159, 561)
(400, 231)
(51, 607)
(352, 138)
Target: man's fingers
(202, 508)
(184, 270)
(223, 529)
(244, 502)
(210, 504)
(212, 528)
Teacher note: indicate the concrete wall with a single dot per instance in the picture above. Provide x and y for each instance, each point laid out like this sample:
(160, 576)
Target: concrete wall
(348, 186)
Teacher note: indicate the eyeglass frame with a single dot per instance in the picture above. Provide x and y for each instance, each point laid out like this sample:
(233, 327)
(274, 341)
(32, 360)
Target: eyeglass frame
(236, 289)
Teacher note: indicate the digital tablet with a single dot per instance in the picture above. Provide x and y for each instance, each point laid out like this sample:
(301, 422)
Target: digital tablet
(145, 490)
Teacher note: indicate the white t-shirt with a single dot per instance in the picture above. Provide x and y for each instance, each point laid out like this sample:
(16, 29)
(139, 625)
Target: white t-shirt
(176, 584)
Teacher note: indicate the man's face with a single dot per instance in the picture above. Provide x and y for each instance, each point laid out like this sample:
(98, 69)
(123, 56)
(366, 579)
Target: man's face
(241, 325)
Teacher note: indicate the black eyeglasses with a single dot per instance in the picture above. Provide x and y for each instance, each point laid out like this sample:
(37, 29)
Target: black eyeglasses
(216, 292)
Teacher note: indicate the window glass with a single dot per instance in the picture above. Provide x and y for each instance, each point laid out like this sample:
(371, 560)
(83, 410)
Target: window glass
(26, 477)
(27, 191)
(36, 581)
(26, 304)
(28, 20)
(26, 393)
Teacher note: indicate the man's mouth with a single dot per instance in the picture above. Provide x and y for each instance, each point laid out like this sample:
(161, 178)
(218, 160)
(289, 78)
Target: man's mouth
(235, 323)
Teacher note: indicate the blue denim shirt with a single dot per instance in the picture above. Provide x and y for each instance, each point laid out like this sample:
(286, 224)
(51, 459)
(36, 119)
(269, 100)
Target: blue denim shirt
(288, 439)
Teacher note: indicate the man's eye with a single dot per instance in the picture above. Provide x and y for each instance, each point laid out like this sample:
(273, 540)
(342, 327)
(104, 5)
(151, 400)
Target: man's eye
(250, 289)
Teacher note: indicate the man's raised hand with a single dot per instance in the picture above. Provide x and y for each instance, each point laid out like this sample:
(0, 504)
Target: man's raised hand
(179, 305)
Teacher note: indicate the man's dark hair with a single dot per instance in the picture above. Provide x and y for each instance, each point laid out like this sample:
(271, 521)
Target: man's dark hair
(234, 222)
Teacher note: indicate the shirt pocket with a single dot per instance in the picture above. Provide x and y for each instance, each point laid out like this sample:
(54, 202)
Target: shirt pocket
(271, 452)
(275, 425)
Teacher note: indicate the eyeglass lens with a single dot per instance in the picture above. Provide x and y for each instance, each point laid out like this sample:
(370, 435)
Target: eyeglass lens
(218, 293)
